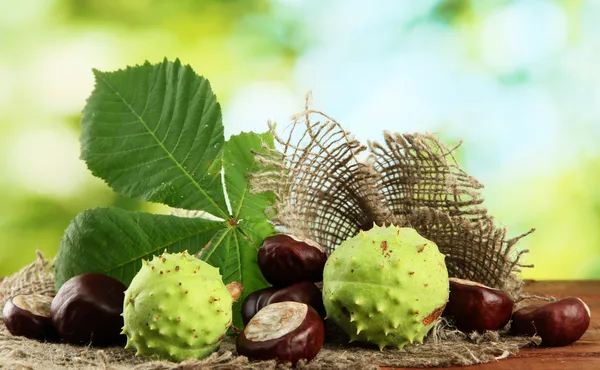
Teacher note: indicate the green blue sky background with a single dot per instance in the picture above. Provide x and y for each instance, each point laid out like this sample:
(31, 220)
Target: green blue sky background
(518, 81)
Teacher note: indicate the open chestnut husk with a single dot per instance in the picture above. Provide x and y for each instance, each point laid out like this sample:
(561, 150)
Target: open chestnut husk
(303, 292)
(476, 307)
(558, 323)
(283, 331)
(87, 310)
(29, 316)
(285, 260)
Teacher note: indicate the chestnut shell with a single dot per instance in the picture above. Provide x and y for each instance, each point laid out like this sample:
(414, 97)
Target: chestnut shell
(303, 292)
(304, 342)
(87, 310)
(285, 260)
(29, 316)
(558, 323)
(476, 307)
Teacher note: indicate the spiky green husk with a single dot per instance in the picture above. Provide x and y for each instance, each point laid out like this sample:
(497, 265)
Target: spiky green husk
(386, 286)
(176, 308)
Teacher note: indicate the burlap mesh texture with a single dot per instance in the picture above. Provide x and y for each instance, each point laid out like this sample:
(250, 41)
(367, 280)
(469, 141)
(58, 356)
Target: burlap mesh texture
(36, 278)
(325, 193)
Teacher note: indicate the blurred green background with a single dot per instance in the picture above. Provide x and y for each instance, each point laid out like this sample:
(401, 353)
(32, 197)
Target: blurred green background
(518, 81)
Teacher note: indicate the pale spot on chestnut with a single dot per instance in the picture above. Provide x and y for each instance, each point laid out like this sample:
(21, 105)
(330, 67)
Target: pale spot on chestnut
(310, 242)
(275, 321)
(303, 292)
(283, 331)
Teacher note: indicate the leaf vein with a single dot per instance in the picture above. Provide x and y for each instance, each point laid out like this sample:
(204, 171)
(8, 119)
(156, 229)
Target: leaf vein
(179, 165)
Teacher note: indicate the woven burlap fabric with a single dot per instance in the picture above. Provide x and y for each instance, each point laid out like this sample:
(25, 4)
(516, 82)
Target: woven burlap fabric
(37, 277)
(325, 192)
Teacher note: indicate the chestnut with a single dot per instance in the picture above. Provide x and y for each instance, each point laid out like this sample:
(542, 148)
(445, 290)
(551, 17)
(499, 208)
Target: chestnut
(88, 308)
(29, 316)
(285, 260)
(303, 292)
(254, 302)
(558, 323)
(283, 331)
(476, 307)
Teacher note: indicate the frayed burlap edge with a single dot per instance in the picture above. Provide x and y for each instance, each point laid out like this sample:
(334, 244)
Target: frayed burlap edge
(325, 193)
(37, 277)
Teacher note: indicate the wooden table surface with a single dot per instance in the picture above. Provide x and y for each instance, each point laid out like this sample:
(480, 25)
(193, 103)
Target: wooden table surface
(583, 354)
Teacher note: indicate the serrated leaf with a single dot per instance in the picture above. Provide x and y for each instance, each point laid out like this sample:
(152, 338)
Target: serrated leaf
(155, 132)
(114, 242)
(238, 162)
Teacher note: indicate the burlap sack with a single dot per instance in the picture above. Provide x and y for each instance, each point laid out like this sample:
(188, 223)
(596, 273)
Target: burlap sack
(326, 193)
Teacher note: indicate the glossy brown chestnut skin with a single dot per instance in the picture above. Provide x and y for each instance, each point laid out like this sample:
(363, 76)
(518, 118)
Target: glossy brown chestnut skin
(558, 323)
(87, 310)
(476, 307)
(283, 331)
(285, 260)
(303, 292)
(29, 316)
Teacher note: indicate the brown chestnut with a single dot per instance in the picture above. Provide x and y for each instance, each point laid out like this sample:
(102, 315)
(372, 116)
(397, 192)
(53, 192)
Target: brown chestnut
(87, 310)
(558, 323)
(29, 316)
(303, 292)
(283, 331)
(285, 260)
(476, 307)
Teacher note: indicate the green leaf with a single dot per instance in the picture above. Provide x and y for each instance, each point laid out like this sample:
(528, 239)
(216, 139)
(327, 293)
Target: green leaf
(155, 132)
(236, 255)
(256, 232)
(238, 162)
(114, 242)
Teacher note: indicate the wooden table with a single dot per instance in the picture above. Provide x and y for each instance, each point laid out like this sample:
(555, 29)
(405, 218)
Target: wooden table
(583, 354)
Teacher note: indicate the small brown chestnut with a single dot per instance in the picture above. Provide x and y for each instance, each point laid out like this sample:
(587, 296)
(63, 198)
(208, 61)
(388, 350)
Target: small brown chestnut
(558, 323)
(87, 310)
(29, 316)
(476, 307)
(303, 292)
(285, 260)
(283, 331)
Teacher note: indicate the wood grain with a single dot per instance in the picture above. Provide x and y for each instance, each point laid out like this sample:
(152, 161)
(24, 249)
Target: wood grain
(583, 354)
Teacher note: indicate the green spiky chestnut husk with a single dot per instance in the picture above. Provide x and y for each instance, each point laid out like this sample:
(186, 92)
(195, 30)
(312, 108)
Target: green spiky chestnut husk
(386, 286)
(176, 308)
